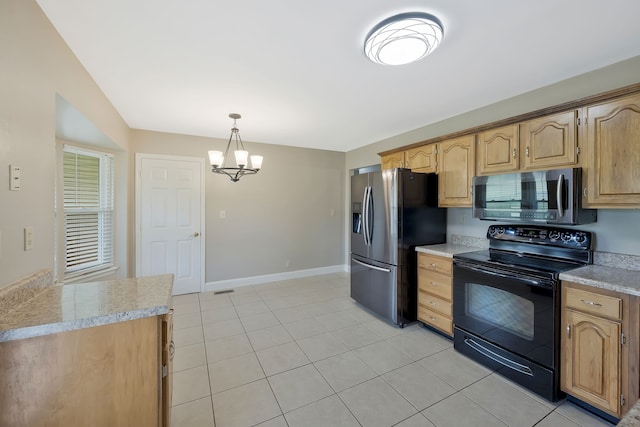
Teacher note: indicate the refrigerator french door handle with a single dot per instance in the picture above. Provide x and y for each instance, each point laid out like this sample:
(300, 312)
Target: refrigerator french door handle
(365, 233)
(370, 214)
(559, 193)
(386, 270)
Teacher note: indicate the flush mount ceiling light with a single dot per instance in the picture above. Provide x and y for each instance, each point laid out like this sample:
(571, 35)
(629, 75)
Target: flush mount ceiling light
(403, 38)
(218, 159)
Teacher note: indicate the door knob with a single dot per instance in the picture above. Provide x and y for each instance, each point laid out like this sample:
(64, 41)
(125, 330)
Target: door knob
(196, 234)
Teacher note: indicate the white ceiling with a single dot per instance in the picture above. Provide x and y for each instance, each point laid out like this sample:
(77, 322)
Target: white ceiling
(296, 71)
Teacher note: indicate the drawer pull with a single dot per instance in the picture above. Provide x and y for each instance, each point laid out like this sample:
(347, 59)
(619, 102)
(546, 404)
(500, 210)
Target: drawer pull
(433, 319)
(568, 330)
(586, 301)
(433, 284)
(433, 265)
(433, 303)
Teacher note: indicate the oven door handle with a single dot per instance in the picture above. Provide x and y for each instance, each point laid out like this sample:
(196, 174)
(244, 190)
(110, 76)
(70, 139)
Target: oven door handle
(516, 276)
(498, 358)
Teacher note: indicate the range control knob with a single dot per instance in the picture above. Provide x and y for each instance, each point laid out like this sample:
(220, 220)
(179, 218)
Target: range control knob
(581, 238)
(492, 231)
(500, 230)
(565, 237)
(554, 235)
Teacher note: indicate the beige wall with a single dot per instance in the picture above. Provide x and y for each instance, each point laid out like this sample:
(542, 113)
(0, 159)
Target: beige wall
(37, 65)
(616, 230)
(283, 213)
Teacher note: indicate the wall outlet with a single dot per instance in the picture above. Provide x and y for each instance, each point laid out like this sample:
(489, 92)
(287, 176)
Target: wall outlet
(28, 238)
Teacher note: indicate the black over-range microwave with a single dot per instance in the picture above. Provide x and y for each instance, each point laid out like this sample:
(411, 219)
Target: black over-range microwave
(552, 196)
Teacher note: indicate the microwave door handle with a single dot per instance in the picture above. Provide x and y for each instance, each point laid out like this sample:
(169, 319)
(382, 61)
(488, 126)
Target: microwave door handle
(559, 194)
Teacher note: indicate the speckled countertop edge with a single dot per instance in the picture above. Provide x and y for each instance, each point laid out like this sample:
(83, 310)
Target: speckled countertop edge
(605, 277)
(632, 418)
(447, 250)
(84, 305)
(20, 291)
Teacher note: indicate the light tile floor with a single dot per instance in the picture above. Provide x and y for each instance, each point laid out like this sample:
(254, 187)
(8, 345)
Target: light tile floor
(302, 353)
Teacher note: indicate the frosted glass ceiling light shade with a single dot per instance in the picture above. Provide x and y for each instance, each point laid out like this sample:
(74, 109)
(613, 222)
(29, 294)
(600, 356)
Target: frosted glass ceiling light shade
(404, 38)
(217, 159)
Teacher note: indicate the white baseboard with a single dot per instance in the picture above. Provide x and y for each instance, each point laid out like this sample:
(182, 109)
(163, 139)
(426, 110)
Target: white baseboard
(220, 285)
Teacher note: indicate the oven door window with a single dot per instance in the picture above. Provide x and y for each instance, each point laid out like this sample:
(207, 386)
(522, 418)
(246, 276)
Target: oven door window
(508, 311)
(500, 309)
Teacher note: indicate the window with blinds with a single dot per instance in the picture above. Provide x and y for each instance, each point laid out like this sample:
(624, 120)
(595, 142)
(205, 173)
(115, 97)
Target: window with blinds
(88, 210)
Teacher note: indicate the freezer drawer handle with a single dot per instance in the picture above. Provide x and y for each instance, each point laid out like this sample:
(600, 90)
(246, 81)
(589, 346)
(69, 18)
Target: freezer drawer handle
(497, 358)
(386, 270)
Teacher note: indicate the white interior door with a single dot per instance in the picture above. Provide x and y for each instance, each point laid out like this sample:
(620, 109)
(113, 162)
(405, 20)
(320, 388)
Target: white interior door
(169, 219)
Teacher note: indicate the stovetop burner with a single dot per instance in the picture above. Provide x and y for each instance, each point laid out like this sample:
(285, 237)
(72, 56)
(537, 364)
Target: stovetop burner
(535, 249)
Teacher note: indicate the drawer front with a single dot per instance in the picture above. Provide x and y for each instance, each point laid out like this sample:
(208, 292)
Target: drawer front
(437, 320)
(435, 263)
(434, 303)
(590, 302)
(436, 284)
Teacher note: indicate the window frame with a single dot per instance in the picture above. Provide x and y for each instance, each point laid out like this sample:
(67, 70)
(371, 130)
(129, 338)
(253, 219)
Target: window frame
(105, 212)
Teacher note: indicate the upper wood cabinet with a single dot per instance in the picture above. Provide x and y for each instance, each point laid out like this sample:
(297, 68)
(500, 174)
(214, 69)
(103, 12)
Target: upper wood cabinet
(498, 150)
(543, 143)
(612, 139)
(421, 159)
(549, 142)
(456, 167)
(393, 160)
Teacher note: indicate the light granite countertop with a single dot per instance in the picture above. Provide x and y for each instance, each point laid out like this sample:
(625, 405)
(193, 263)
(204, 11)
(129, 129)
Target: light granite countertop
(62, 308)
(447, 250)
(604, 277)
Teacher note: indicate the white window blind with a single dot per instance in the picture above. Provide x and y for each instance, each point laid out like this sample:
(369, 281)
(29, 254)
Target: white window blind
(88, 210)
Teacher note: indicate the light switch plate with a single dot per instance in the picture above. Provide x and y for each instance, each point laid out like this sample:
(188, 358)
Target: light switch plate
(14, 178)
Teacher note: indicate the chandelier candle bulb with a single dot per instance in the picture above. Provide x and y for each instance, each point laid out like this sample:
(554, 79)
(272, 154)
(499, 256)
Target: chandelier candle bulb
(241, 158)
(256, 162)
(215, 158)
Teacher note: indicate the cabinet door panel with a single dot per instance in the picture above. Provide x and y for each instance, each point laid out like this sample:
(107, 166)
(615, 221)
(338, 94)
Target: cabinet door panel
(421, 159)
(591, 368)
(613, 143)
(393, 160)
(498, 150)
(456, 167)
(549, 141)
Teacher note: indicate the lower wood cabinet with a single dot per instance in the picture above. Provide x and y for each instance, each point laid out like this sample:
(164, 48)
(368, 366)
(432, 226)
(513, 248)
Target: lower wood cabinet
(109, 375)
(599, 347)
(435, 292)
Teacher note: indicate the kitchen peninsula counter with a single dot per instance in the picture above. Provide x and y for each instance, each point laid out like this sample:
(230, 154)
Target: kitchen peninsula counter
(61, 308)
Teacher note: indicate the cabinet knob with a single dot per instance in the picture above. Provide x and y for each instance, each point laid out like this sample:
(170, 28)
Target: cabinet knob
(568, 329)
(526, 152)
(514, 153)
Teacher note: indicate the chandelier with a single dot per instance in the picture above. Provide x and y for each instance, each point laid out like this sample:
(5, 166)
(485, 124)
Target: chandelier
(218, 159)
(403, 38)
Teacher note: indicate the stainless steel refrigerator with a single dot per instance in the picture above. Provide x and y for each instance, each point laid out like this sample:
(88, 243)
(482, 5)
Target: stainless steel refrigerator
(393, 211)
